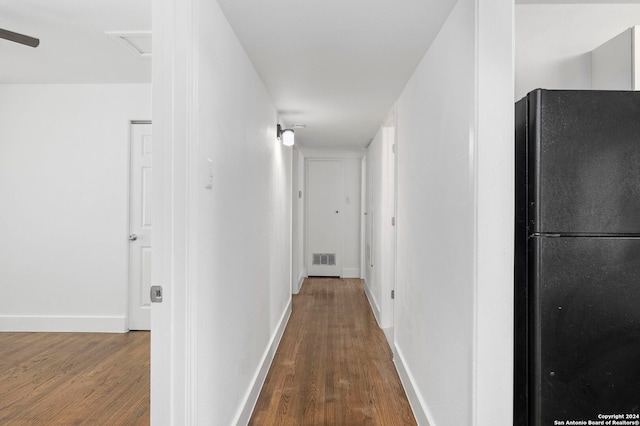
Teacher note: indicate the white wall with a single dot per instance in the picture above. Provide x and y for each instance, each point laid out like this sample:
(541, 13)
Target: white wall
(64, 165)
(553, 42)
(612, 63)
(453, 322)
(351, 181)
(351, 175)
(436, 235)
(244, 226)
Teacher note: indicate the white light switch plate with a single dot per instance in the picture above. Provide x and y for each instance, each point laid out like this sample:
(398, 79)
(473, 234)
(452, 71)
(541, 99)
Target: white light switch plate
(209, 174)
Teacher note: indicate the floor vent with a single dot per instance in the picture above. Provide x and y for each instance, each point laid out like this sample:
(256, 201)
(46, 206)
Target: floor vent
(328, 259)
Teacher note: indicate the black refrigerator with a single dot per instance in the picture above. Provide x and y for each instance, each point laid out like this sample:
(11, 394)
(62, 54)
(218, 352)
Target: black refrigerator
(577, 258)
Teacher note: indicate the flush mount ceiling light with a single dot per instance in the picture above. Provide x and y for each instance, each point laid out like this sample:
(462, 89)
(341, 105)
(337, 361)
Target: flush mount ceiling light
(286, 136)
(136, 42)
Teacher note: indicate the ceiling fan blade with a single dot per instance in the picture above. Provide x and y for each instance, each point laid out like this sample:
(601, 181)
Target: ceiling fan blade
(19, 38)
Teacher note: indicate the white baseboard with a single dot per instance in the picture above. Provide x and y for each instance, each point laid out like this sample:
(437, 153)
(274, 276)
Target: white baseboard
(250, 399)
(299, 284)
(388, 333)
(419, 407)
(350, 272)
(372, 302)
(74, 324)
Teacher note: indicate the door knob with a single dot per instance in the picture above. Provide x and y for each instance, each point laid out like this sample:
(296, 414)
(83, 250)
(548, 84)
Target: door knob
(133, 237)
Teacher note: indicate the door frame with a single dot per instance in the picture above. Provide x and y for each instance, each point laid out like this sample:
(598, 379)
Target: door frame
(390, 232)
(389, 213)
(175, 27)
(129, 181)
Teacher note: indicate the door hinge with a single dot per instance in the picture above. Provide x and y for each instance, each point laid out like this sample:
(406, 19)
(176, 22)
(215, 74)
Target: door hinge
(393, 294)
(156, 294)
(393, 148)
(393, 221)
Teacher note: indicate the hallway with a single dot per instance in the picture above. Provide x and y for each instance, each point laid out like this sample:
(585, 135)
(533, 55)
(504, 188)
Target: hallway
(333, 365)
(429, 201)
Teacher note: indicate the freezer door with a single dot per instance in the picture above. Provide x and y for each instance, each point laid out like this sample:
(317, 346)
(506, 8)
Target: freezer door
(584, 162)
(585, 328)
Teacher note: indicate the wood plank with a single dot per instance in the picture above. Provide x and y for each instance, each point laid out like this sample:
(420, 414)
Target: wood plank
(333, 365)
(74, 378)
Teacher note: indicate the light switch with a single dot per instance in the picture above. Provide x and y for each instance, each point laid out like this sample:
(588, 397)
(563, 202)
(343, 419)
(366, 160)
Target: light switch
(209, 174)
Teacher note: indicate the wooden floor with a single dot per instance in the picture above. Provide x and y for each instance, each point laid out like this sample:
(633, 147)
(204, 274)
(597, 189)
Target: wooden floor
(333, 365)
(74, 379)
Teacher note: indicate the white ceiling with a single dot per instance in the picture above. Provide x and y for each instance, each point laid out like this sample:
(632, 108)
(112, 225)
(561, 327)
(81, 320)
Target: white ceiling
(336, 66)
(73, 45)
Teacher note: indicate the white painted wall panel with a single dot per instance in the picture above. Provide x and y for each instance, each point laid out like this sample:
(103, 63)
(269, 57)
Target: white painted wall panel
(553, 42)
(453, 320)
(611, 63)
(64, 165)
(494, 154)
(244, 222)
(351, 173)
(436, 213)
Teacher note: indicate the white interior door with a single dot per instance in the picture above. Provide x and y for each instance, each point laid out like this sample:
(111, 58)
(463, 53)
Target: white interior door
(324, 220)
(140, 214)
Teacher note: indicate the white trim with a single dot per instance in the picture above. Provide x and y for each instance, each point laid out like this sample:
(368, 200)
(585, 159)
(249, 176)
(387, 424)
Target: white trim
(389, 333)
(129, 281)
(175, 260)
(74, 324)
(123, 39)
(372, 302)
(363, 214)
(350, 272)
(332, 153)
(635, 56)
(192, 213)
(300, 282)
(418, 405)
(492, 144)
(251, 397)
(307, 261)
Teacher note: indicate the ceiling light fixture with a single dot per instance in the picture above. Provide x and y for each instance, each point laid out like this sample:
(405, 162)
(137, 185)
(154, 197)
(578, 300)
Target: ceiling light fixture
(286, 136)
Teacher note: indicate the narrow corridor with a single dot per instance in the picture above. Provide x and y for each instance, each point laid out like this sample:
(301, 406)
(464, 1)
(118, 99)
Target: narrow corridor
(333, 365)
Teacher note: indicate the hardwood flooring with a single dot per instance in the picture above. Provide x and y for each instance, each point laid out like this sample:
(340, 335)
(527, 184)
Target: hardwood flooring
(333, 365)
(74, 379)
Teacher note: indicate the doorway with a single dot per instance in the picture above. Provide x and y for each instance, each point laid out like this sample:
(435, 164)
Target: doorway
(324, 222)
(140, 226)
